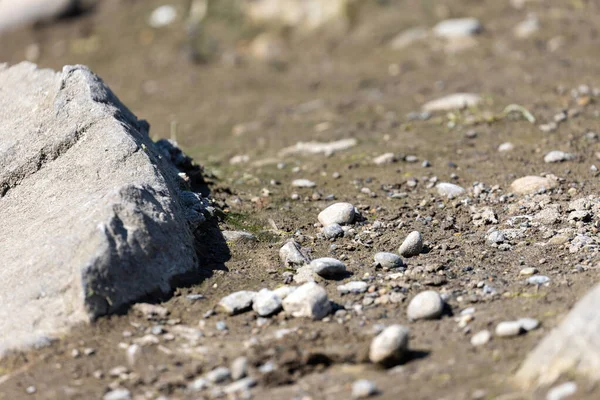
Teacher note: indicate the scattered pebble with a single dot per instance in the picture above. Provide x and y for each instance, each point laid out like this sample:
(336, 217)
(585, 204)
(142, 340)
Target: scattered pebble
(508, 328)
(386, 158)
(538, 280)
(388, 260)
(162, 16)
(562, 391)
(291, 255)
(328, 267)
(117, 394)
(425, 305)
(237, 302)
(303, 183)
(481, 338)
(532, 184)
(457, 28)
(362, 388)
(390, 345)
(338, 213)
(266, 303)
(241, 385)
(449, 190)
(239, 368)
(238, 236)
(218, 375)
(327, 149)
(412, 245)
(507, 146)
(309, 300)
(333, 231)
(451, 102)
(557, 156)
(354, 287)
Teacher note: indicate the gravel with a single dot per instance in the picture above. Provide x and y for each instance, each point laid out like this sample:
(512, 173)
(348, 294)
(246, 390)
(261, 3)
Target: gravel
(425, 305)
(388, 260)
(338, 213)
(309, 300)
(412, 245)
(390, 345)
(328, 267)
(237, 302)
(266, 303)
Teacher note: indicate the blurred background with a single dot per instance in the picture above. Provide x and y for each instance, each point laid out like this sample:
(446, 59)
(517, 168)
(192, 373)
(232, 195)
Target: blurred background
(230, 77)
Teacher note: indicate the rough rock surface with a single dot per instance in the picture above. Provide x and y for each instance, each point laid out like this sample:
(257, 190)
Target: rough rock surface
(93, 215)
(571, 347)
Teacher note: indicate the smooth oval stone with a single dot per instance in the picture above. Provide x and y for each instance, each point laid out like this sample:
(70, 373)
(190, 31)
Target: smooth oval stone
(328, 267)
(309, 300)
(451, 102)
(449, 190)
(354, 287)
(425, 305)
(390, 345)
(338, 213)
(457, 27)
(508, 328)
(412, 245)
(333, 231)
(388, 260)
(532, 184)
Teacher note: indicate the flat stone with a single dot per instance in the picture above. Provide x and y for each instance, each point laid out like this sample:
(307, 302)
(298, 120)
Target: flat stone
(425, 305)
(412, 245)
(457, 28)
(532, 184)
(237, 302)
(538, 280)
(354, 287)
(326, 148)
(386, 158)
(291, 255)
(266, 302)
(238, 237)
(449, 190)
(328, 267)
(94, 215)
(388, 260)
(338, 213)
(240, 385)
(451, 102)
(309, 300)
(390, 345)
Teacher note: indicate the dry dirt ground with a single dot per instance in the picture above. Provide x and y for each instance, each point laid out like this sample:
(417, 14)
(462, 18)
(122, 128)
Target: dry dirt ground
(329, 88)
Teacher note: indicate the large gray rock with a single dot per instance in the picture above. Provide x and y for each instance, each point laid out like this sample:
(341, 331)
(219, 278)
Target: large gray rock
(93, 215)
(572, 347)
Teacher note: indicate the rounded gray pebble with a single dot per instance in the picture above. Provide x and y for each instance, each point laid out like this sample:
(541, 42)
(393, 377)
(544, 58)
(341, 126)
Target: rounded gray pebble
(412, 245)
(338, 213)
(362, 388)
(333, 231)
(425, 305)
(390, 345)
(388, 260)
(328, 267)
